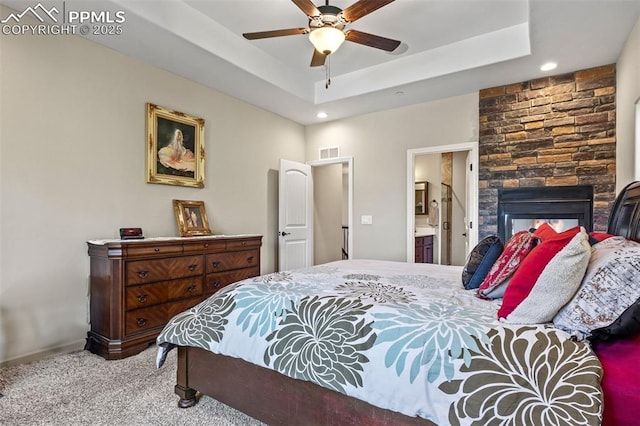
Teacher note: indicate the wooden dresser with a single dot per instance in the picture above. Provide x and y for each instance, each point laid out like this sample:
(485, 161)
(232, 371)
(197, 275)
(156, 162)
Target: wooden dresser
(136, 286)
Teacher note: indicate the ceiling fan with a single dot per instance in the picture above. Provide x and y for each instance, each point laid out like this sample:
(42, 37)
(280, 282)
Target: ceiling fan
(327, 28)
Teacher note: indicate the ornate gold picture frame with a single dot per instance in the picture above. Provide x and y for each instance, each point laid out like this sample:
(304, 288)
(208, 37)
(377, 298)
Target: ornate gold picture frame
(175, 147)
(191, 218)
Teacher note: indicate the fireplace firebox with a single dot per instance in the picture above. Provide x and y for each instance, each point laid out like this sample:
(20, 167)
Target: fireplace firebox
(562, 207)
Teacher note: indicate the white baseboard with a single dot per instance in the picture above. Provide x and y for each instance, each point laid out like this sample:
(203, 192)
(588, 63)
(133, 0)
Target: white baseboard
(45, 353)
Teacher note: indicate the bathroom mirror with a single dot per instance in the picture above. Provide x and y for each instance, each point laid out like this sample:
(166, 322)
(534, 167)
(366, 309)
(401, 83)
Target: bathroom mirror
(421, 197)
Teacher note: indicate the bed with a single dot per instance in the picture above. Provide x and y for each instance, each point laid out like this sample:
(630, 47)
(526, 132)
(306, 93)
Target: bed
(405, 344)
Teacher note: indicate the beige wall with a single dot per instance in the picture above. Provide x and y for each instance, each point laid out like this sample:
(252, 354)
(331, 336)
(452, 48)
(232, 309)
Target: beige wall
(378, 143)
(627, 94)
(72, 158)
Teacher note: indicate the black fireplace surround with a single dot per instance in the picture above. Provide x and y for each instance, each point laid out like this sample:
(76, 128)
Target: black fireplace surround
(548, 202)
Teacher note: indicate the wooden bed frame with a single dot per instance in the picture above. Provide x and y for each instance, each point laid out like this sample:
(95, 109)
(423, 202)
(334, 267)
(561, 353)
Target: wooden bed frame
(277, 399)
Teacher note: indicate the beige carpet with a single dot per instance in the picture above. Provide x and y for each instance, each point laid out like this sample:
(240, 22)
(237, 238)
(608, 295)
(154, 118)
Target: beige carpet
(83, 389)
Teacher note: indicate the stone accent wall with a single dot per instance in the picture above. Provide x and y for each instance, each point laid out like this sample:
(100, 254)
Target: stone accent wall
(553, 131)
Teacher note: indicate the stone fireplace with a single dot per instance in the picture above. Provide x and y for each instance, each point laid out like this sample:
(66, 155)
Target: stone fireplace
(556, 131)
(562, 207)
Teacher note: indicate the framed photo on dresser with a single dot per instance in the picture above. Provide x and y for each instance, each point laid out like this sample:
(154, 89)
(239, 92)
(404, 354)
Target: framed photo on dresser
(175, 147)
(191, 218)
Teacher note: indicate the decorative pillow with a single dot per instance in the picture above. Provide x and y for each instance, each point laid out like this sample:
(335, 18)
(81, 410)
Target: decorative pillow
(480, 260)
(517, 248)
(595, 237)
(545, 231)
(607, 298)
(547, 278)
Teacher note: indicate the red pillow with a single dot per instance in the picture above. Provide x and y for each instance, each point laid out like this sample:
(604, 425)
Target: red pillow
(547, 279)
(517, 248)
(545, 231)
(600, 236)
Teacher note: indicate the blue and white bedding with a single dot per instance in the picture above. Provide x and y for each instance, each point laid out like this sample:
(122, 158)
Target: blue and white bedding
(401, 336)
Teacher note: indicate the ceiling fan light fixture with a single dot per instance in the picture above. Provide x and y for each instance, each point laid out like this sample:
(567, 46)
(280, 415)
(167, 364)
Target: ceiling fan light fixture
(326, 39)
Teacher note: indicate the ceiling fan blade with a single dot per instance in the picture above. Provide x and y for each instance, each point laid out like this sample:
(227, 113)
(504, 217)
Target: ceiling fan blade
(275, 33)
(318, 58)
(362, 8)
(307, 7)
(372, 40)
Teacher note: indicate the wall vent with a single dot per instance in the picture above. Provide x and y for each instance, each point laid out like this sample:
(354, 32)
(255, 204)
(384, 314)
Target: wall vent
(329, 152)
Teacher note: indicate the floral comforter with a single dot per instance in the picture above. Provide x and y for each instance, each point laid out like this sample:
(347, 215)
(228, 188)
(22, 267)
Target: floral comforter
(406, 337)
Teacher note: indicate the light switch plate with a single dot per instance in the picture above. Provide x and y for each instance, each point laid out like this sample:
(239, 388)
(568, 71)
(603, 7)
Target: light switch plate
(366, 220)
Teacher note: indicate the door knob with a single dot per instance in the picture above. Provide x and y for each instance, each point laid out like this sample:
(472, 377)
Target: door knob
(285, 233)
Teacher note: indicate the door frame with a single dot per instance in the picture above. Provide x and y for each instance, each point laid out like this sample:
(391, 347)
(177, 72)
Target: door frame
(349, 162)
(472, 210)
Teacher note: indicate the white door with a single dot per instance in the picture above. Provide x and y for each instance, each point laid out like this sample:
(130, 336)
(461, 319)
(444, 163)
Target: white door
(295, 216)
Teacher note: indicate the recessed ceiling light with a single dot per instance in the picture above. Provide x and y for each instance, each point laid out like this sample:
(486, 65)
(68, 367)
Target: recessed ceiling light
(322, 114)
(549, 66)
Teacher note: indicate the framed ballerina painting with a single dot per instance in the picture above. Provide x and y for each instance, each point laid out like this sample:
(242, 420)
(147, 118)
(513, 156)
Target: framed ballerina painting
(175, 148)
(191, 218)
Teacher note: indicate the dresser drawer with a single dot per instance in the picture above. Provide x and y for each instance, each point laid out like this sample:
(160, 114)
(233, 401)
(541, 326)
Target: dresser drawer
(185, 288)
(142, 296)
(146, 271)
(144, 250)
(145, 318)
(201, 246)
(145, 295)
(218, 280)
(231, 260)
(243, 244)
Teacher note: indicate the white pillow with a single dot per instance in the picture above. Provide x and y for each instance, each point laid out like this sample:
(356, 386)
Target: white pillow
(610, 286)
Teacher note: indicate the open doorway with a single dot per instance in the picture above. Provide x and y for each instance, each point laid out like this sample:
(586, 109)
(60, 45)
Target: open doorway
(333, 200)
(452, 216)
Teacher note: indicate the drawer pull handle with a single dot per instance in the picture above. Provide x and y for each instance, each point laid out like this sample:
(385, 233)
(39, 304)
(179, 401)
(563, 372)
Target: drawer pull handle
(216, 283)
(244, 243)
(250, 259)
(192, 288)
(142, 298)
(157, 250)
(141, 322)
(143, 274)
(193, 267)
(216, 264)
(206, 245)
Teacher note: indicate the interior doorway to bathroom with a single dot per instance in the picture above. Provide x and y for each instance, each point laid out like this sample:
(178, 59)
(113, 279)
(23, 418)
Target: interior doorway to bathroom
(451, 216)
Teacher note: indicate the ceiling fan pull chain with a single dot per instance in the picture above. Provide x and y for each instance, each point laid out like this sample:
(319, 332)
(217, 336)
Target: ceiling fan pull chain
(327, 76)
